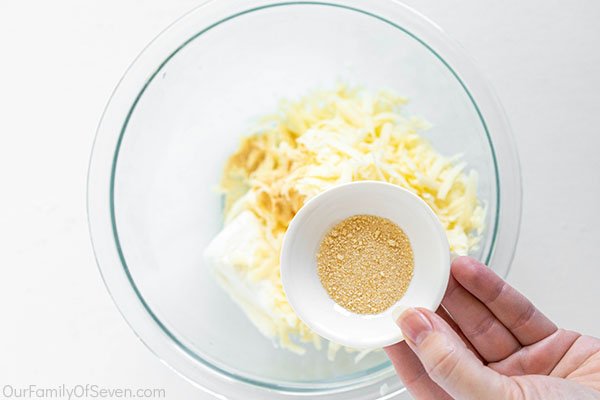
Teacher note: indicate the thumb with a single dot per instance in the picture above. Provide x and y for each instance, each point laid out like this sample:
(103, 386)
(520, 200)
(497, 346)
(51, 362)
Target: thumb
(446, 358)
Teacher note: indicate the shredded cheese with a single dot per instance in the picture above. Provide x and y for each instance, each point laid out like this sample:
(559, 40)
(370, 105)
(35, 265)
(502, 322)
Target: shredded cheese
(325, 139)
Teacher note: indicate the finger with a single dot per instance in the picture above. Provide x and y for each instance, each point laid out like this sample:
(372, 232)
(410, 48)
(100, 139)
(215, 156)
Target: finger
(447, 360)
(488, 335)
(515, 312)
(441, 311)
(413, 375)
(540, 358)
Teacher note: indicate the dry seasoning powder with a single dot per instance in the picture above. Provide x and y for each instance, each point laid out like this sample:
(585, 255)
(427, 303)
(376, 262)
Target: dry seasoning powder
(365, 263)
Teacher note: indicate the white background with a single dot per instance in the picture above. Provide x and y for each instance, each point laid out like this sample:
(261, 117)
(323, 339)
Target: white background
(59, 62)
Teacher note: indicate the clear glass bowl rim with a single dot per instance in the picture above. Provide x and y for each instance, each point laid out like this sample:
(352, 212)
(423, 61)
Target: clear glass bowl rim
(158, 338)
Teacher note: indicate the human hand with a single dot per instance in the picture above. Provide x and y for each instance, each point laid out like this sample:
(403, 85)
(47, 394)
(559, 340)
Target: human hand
(489, 342)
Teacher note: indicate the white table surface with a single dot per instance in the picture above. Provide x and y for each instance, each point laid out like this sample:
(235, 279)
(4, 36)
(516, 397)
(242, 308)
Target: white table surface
(61, 59)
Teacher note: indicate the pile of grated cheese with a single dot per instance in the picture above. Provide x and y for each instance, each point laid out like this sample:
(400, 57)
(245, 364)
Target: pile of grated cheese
(326, 139)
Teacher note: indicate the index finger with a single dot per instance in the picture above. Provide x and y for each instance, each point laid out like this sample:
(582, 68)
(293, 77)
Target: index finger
(511, 308)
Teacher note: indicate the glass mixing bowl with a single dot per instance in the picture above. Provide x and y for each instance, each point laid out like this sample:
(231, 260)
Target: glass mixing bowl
(178, 113)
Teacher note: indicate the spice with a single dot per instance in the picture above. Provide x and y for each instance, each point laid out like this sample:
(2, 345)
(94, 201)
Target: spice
(365, 263)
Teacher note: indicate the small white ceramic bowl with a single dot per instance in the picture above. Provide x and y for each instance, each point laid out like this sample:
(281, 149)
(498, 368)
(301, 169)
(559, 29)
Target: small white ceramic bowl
(299, 275)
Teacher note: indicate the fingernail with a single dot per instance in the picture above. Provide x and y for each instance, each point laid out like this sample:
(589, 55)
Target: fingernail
(415, 326)
(397, 312)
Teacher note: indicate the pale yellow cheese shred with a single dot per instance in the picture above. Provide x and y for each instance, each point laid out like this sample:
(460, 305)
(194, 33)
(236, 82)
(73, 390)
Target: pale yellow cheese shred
(329, 138)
